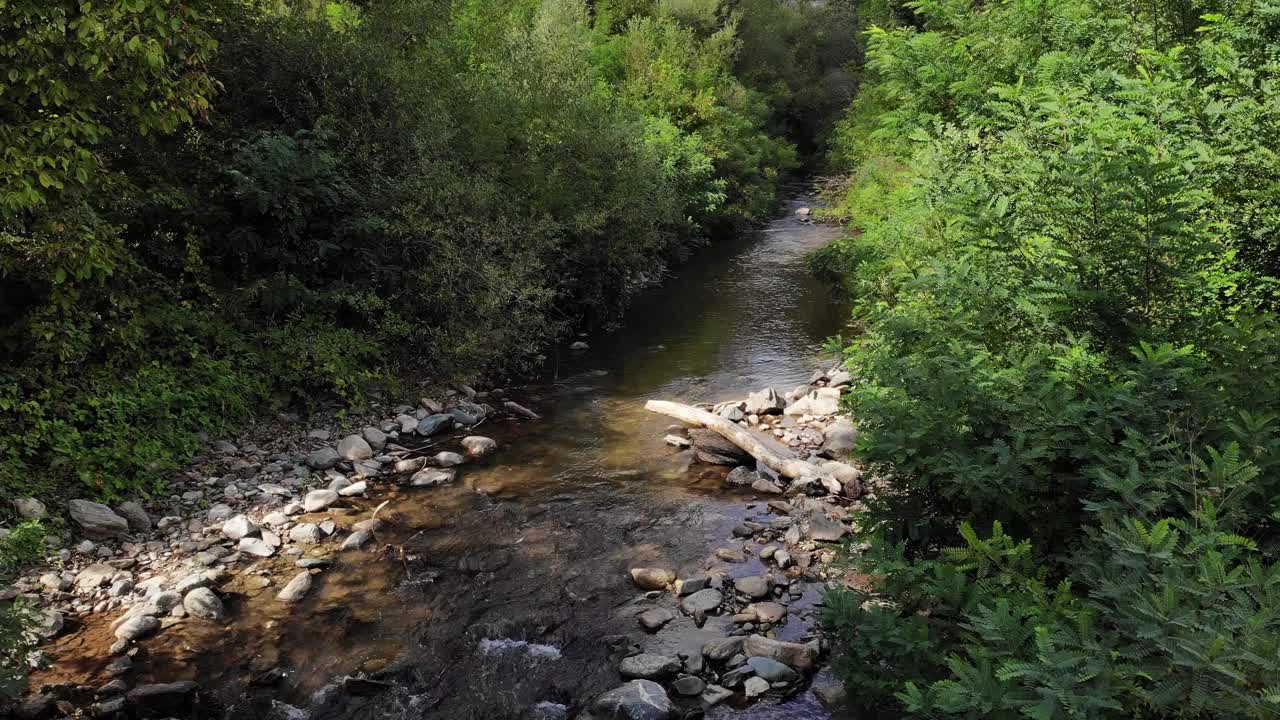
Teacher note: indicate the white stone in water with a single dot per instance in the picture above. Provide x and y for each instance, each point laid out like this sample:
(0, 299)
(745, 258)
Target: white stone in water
(297, 588)
(317, 500)
(354, 489)
(449, 459)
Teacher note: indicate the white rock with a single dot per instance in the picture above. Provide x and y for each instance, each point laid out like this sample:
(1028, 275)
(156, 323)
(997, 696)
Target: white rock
(238, 527)
(255, 546)
(317, 500)
(478, 446)
(202, 603)
(354, 447)
(354, 489)
(449, 459)
(297, 588)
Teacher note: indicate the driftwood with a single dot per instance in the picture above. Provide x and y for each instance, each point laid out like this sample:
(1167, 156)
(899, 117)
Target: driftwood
(745, 439)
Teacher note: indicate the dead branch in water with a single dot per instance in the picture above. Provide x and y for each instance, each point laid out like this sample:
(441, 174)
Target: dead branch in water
(745, 439)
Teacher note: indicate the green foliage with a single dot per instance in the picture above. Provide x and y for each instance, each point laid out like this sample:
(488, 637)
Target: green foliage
(23, 546)
(17, 620)
(1066, 288)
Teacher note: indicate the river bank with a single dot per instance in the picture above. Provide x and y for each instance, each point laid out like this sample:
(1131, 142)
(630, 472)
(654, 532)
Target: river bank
(455, 607)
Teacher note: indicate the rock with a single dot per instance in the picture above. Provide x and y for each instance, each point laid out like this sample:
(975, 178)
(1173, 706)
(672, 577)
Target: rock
(653, 620)
(677, 441)
(646, 666)
(133, 513)
(430, 406)
(766, 487)
(354, 447)
(275, 519)
(161, 699)
(839, 376)
(370, 525)
(318, 500)
(202, 603)
(240, 526)
(689, 586)
(354, 489)
(55, 582)
(98, 521)
(768, 612)
(323, 459)
(485, 561)
(578, 345)
(755, 687)
(702, 601)
(256, 547)
(803, 212)
(95, 576)
(193, 581)
(689, 686)
(305, 534)
(356, 540)
(819, 401)
(219, 513)
(711, 447)
(734, 677)
(741, 476)
(30, 508)
(826, 529)
(731, 412)
(636, 700)
(36, 707)
(297, 588)
(783, 559)
(433, 476)
(829, 690)
(518, 409)
(765, 402)
(478, 446)
(375, 437)
(448, 459)
(754, 587)
(722, 649)
(801, 657)
(137, 627)
(410, 465)
(839, 438)
(714, 695)
(732, 555)
(652, 578)
(408, 424)
(437, 423)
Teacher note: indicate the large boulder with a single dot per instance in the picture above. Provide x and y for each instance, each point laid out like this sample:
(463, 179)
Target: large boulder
(354, 447)
(637, 700)
(647, 666)
(711, 447)
(30, 508)
(323, 459)
(202, 603)
(818, 401)
(765, 402)
(97, 520)
(433, 424)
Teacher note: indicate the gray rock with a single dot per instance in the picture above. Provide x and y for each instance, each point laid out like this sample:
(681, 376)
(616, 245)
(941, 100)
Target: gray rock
(135, 515)
(826, 529)
(801, 657)
(767, 612)
(305, 534)
(408, 424)
(356, 540)
(652, 578)
(714, 695)
(478, 446)
(137, 627)
(162, 699)
(354, 489)
(297, 588)
(646, 666)
(202, 603)
(829, 690)
(766, 487)
(193, 581)
(677, 441)
(449, 459)
(732, 555)
(219, 513)
(97, 520)
(430, 477)
(354, 447)
(256, 547)
(433, 424)
(702, 601)
(689, 686)
(517, 409)
(741, 476)
(765, 402)
(754, 587)
(323, 459)
(755, 687)
(723, 648)
(711, 447)
(30, 508)
(375, 437)
(819, 401)
(653, 620)
(772, 670)
(318, 500)
(731, 412)
(636, 700)
(240, 526)
(839, 438)
(689, 586)
(95, 576)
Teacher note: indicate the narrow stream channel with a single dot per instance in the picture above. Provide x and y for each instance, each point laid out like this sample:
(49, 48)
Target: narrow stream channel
(512, 594)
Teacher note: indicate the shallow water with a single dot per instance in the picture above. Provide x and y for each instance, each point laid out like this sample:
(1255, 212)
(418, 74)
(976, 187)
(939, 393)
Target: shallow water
(507, 593)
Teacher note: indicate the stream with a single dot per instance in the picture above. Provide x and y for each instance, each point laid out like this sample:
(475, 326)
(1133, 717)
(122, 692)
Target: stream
(509, 595)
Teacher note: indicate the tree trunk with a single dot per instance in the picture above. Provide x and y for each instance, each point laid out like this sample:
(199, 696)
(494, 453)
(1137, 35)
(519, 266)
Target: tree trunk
(745, 439)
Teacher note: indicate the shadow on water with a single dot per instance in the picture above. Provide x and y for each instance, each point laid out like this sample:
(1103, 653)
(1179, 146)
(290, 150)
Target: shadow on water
(508, 591)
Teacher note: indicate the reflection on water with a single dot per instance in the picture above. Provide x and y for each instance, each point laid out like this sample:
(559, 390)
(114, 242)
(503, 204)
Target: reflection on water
(506, 594)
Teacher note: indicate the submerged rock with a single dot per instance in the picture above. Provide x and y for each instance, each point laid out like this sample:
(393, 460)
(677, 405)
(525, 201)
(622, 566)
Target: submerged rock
(652, 578)
(297, 588)
(636, 700)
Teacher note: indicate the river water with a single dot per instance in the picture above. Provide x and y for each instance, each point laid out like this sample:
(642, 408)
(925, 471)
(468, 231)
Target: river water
(507, 593)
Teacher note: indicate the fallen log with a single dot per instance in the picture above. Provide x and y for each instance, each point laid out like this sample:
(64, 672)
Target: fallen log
(745, 439)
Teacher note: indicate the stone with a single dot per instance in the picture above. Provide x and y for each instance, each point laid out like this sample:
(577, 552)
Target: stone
(652, 578)
(305, 534)
(711, 447)
(30, 508)
(354, 489)
(741, 476)
(408, 424)
(356, 540)
(783, 559)
(219, 513)
(339, 484)
(702, 601)
(803, 212)
(755, 687)
(689, 586)
(375, 437)
(768, 612)
(636, 700)
(677, 441)
(481, 561)
(193, 581)
(478, 446)
(202, 603)
(370, 525)
(579, 345)
(732, 555)
(256, 547)
(826, 529)
(795, 655)
(737, 675)
(98, 521)
(731, 412)
(772, 671)
(297, 588)
(754, 587)
(714, 695)
(318, 500)
(818, 401)
(161, 699)
(517, 409)
(240, 526)
(95, 576)
(722, 649)
(766, 487)
(765, 402)
(55, 582)
(829, 690)
(438, 423)
(323, 459)
(137, 627)
(839, 438)
(653, 620)
(134, 514)
(319, 434)
(275, 519)
(354, 447)
(689, 686)
(838, 376)
(430, 477)
(647, 666)
(449, 459)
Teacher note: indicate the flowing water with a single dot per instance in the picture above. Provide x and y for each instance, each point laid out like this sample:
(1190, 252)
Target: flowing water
(507, 594)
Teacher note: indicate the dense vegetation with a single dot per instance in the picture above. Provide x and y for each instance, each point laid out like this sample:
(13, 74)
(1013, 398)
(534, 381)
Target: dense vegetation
(1066, 271)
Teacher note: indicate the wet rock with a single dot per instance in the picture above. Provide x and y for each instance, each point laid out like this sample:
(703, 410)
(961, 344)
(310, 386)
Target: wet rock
(819, 401)
(754, 587)
(449, 459)
(801, 657)
(732, 555)
(755, 687)
(318, 500)
(677, 441)
(478, 446)
(714, 695)
(711, 447)
(768, 612)
(736, 676)
(702, 601)
(202, 603)
(368, 525)
(356, 540)
(765, 402)
(636, 700)
(137, 627)
(354, 489)
(652, 578)
(689, 586)
(98, 521)
(297, 588)
(741, 476)
(485, 561)
(653, 620)
(646, 666)
(410, 465)
(722, 649)
(305, 534)
(772, 671)
(517, 409)
(30, 508)
(240, 526)
(430, 477)
(438, 423)
(323, 459)
(689, 686)
(354, 447)
(375, 437)
(766, 487)
(161, 699)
